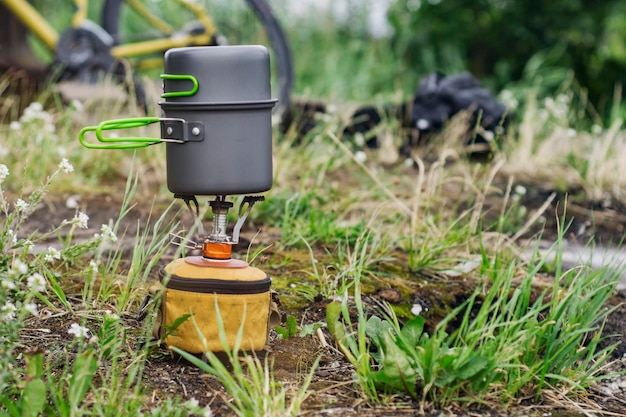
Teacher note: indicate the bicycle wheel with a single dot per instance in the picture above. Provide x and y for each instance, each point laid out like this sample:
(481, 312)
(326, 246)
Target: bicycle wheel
(126, 26)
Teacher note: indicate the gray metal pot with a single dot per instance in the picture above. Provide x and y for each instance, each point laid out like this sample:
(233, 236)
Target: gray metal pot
(233, 102)
(217, 121)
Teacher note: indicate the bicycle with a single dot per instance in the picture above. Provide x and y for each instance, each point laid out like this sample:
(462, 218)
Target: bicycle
(86, 50)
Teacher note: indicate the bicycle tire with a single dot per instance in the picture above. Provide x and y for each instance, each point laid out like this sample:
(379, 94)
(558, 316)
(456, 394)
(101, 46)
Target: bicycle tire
(110, 20)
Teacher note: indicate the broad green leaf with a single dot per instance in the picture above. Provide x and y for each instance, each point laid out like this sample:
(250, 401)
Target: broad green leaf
(34, 364)
(412, 330)
(309, 329)
(397, 367)
(375, 329)
(472, 366)
(83, 370)
(33, 398)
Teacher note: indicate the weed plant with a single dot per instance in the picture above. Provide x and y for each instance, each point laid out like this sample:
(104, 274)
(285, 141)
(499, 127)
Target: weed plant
(506, 343)
(34, 285)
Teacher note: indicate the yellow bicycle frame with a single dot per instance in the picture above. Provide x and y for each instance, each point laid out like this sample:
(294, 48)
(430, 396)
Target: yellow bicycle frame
(40, 27)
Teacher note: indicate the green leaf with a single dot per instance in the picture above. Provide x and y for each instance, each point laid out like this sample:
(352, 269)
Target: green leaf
(292, 326)
(374, 329)
(397, 368)
(169, 330)
(333, 313)
(310, 329)
(412, 330)
(472, 366)
(33, 398)
(34, 364)
(83, 370)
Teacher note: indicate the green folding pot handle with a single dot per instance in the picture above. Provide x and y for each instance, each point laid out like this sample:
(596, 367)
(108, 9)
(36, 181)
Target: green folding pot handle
(194, 85)
(128, 142)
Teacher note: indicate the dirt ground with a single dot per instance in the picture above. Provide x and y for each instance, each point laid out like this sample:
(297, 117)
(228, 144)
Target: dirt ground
(333, 392)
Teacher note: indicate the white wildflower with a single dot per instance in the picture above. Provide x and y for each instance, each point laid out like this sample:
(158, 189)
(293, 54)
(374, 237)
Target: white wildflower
(571, 132)
(81, 220)
(8, 284)
(65, 166)
(21, 205)
(15, 125)
(192, 404)
(19, 267)
(35, 107)
(79, 332)
(31, 308)
(36, 282)
(52, 254)
(13, 236)
(28, 245)
(4, 172)
(520, 190)
(76, 104)
(111, 315)
(107, 234)
(8, 311)
(596, 129)
(360, 156)
(93, 265)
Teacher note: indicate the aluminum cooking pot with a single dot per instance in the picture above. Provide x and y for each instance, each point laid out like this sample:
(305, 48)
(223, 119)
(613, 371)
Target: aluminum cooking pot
(217, 111)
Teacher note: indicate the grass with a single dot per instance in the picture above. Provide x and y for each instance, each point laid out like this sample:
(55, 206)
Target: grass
(361, 221)
(358, 222)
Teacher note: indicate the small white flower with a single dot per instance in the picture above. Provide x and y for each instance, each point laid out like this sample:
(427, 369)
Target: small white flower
(360, 156)
(520, 190)
(21, 205)
(35, 107)
(192, 403)
(79, 332)
(13, 236)
(65, 166)
(93, 265)
(571, 133)
(36, 282)
(111, 315)
(4, 172)
(8, 311)
(107, 233)
(81, 220)
(15, 125)
(76, 104)
(31, 308)
(19, 267)
(52, 254)
(596, 129)
(28, 245)
(8, 284)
